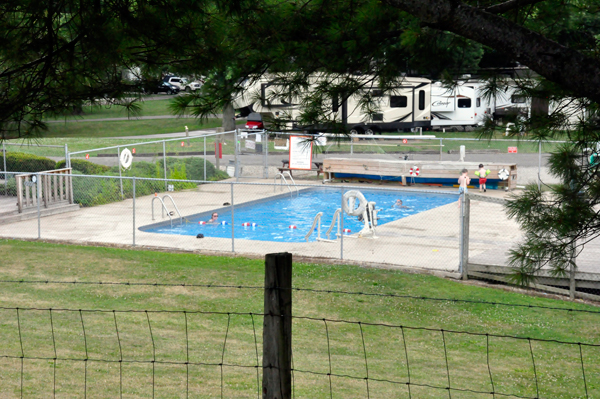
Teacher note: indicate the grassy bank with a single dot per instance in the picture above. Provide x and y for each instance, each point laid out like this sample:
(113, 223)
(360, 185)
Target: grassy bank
(227, 335)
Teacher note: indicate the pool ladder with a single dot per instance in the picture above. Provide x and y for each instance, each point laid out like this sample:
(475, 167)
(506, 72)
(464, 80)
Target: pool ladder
(164, 208)
(317, 224)
(281, 175)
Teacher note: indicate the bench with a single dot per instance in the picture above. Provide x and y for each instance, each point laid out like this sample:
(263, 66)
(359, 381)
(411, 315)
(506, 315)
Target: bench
(285, 168)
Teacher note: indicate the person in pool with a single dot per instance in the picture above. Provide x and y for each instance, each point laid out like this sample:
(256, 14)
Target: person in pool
(398, 204)
(214, 218)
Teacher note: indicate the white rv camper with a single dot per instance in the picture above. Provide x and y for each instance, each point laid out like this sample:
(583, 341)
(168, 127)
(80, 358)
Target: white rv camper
(458, 107)
(406, 107)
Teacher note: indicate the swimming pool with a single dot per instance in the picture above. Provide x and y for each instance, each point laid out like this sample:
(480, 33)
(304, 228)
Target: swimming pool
(275, 216)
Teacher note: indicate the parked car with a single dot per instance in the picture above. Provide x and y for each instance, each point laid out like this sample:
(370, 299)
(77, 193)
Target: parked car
(175, 81)
(193, 86)
(160, 87)
(255, 121)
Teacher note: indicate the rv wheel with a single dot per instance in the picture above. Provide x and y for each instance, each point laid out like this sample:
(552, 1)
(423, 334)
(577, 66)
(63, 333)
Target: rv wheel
(371, 130)
(356, 130)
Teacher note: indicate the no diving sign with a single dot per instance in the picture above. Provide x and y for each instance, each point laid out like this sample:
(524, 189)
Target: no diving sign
(512, 150)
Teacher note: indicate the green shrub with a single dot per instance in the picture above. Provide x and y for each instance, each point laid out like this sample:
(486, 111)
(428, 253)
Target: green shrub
(98, 191)
(84, 167)
(23, 162)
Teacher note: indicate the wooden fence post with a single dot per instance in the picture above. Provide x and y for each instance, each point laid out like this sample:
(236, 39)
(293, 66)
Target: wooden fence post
(277, 327)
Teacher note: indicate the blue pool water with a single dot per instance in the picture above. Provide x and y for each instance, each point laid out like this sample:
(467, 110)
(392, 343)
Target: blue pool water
(273, 217)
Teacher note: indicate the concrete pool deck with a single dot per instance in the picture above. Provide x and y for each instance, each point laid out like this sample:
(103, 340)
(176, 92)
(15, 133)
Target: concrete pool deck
(428, 240)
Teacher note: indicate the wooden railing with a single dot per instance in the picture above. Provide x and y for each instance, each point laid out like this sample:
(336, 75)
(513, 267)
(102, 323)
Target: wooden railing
(56, 187)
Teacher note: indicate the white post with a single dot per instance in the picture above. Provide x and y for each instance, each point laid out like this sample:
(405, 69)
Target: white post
(133, 183)
(38, 182)
(266, 154)
(232, 222)
(5, 175)
(462, 154)
(235, 155)
(540, 166)
(342, 228)
(120, 175)
(165, 164)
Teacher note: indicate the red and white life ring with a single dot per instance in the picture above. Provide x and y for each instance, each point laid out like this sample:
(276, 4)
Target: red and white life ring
(414, 171)
(347, 231)
(292, 226)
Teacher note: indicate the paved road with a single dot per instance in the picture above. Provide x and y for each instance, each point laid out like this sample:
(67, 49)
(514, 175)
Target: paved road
(125, 118)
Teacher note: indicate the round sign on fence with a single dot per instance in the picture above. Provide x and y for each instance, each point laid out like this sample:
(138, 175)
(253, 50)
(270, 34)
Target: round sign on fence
(87, 156)
(404, 141)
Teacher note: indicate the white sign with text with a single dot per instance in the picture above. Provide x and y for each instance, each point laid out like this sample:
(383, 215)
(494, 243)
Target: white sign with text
(300, 152)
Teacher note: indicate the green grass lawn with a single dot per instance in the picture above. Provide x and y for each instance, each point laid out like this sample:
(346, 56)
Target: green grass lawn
(209, 339)
(147, 108)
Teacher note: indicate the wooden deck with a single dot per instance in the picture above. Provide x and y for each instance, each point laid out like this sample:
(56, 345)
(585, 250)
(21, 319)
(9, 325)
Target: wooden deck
(430, 172)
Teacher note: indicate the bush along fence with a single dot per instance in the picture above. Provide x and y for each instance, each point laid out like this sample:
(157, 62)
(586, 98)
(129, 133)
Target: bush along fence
(224, 354)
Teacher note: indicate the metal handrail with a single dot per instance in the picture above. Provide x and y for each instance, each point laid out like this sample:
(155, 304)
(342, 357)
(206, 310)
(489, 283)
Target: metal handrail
(312, 229)
(164, 209)
(336, 218)
(177, 209)
(281, 174)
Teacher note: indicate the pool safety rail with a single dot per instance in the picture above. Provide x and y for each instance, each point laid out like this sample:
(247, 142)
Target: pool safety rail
(164, 208)
(317, 224)
(282, 179)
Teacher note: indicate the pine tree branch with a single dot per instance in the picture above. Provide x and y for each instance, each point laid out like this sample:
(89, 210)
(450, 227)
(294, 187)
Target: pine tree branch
(567, 67)
(510, 5)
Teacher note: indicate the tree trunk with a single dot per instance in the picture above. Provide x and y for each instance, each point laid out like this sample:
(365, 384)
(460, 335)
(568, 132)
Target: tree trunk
(563, 65)
(228, 118)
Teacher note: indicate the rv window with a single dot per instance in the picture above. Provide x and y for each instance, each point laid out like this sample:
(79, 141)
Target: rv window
(516, 99)
(464, 103)
(421, 100)
(377, 117)
(398, 101)
(478, 102)
(335, 103)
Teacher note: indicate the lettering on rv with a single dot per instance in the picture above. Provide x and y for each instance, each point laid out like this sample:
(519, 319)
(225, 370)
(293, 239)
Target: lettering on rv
(440, 103)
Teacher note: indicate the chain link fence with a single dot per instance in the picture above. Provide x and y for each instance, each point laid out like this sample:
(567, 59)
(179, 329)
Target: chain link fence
(360, 225)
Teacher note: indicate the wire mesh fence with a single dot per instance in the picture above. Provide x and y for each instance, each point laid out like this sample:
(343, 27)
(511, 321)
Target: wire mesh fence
(141, 352)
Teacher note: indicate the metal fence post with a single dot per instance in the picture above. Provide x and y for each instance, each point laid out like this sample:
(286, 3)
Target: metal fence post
(277, 327)
(5, 175)
(572, 282)
(235, 155)
(133, 190)
(342, 225)
(204, 158)
(232, 221)
(465, 209)
(66, 155)
(441, 145)
(266, 154)
(540, 166)
(165, 165)
(39, 195)
(120, 173)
